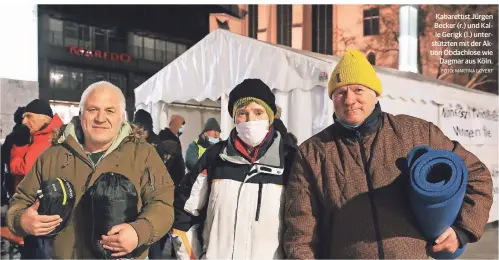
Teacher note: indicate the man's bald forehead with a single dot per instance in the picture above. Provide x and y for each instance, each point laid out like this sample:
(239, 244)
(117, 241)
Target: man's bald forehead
(106, 88)
(103, 87)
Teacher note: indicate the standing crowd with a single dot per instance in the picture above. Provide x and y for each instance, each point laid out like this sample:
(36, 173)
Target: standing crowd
(343, 193)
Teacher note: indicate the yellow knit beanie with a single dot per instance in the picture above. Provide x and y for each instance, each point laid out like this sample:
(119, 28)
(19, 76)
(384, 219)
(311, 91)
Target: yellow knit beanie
(354, 68)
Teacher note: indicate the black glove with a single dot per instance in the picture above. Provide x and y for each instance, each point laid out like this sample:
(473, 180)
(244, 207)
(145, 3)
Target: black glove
(22, 135)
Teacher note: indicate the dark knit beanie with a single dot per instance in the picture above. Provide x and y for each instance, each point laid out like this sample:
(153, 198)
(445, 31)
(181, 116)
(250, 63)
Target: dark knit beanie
(39, 106)
(252, 88)
(211, 124)
(143, 118)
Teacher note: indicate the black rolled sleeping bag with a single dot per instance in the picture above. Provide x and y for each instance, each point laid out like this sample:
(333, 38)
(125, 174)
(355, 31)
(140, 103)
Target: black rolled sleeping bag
(57, 197)
(112, 200)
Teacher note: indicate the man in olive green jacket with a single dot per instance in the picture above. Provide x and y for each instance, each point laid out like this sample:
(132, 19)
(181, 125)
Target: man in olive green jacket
(103, 142)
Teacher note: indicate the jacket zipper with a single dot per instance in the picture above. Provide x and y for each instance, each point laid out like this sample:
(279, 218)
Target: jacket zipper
(87, 182)
(235, 222)
(259, 203)
(381, 253)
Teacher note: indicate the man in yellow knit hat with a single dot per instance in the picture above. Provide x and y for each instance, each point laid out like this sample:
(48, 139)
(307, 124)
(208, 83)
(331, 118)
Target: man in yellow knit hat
(346, 195)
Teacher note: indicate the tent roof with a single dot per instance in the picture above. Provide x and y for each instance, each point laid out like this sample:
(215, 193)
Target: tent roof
(223, 59)
(385, 70)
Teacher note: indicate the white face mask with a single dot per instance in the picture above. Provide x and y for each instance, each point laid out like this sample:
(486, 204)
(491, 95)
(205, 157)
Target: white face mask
(213, 140)
(252, 132)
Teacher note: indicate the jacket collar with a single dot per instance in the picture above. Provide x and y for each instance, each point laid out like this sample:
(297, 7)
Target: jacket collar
(203, 141)
(269, 152)
(372, 123)
(54, 123)
(72, 136)
(167, 134)
(152, 137)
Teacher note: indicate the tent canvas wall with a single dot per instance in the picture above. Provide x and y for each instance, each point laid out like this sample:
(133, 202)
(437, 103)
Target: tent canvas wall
(65, 110)
(216, 64)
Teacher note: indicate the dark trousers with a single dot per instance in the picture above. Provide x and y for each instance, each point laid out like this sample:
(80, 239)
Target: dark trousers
(36, 248)
(156, 249)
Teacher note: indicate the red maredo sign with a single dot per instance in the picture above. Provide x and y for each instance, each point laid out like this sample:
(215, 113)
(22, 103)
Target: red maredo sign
(104, 55)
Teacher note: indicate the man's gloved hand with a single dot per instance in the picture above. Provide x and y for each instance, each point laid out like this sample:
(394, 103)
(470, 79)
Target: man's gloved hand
(22, 135)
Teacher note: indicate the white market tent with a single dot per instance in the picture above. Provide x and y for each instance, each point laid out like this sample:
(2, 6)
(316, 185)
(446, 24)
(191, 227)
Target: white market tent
(207, 72)
(65, 110)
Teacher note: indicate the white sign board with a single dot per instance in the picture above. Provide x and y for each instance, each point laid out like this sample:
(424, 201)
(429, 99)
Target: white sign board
(468, 124)
(476, 128)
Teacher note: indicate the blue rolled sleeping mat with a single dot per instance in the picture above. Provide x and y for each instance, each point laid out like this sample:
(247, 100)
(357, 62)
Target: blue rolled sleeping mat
(438, 180)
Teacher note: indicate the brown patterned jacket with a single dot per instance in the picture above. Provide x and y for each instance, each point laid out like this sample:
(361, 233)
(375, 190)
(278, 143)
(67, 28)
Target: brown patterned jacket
(334, 209)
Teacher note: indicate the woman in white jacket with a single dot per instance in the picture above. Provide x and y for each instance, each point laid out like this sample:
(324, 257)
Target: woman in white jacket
(229, 207)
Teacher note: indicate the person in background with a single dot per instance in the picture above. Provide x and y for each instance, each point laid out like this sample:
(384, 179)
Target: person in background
(144, 119)
(209, 137)
(171, 148)
(41, 122)
(174, 130)
(20, 136)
